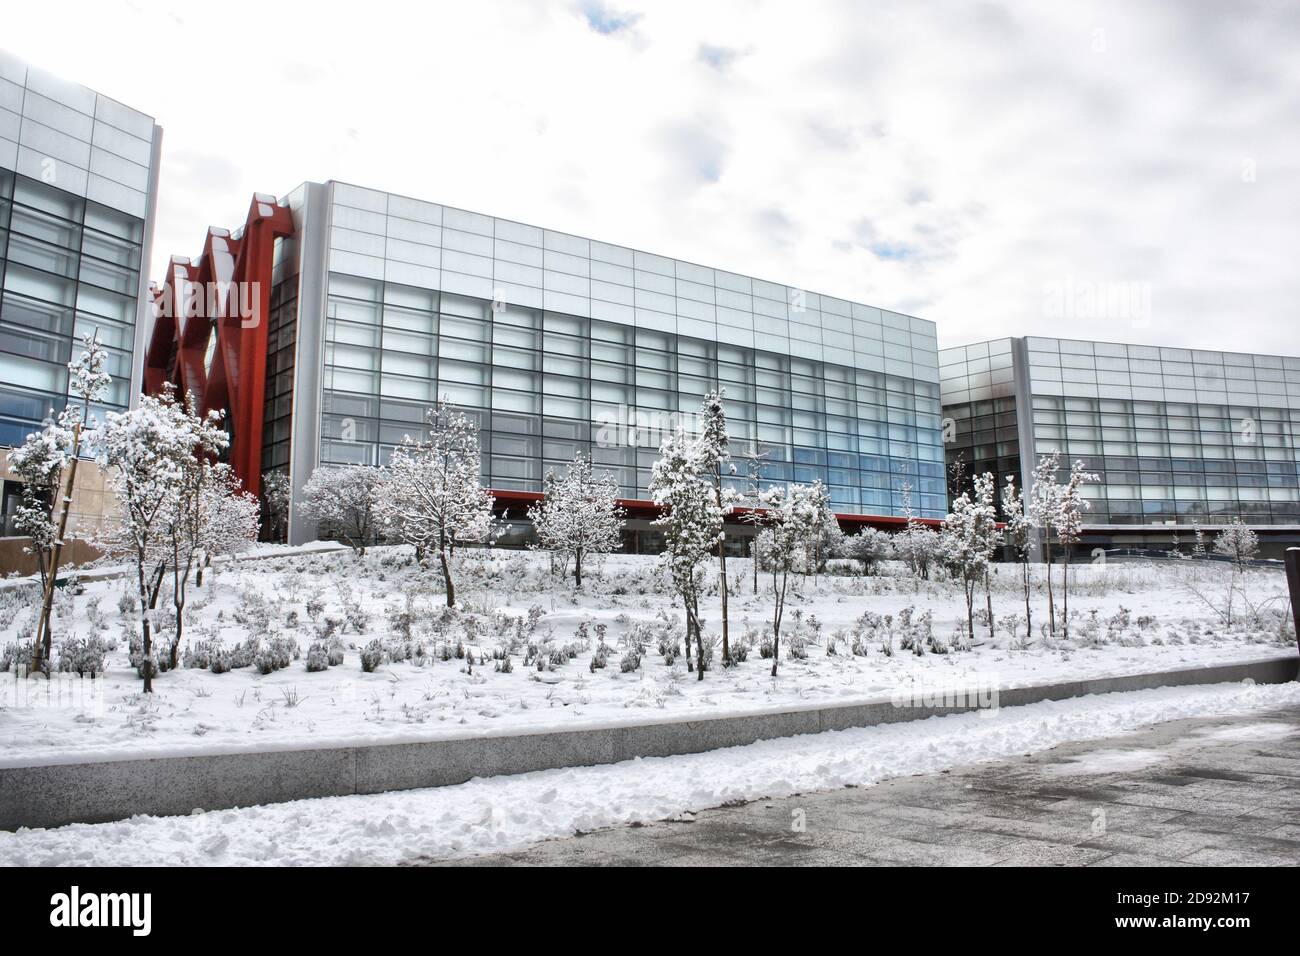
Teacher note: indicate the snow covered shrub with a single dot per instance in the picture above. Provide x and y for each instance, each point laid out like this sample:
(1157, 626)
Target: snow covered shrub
(15, 653)
(127, 605)
(766, 647)
(504, 666)
(277, 654)
(84, 656)
(245, 652)
(135, 652)
(1090, 631)
(401, 618)
(255, 613)
(600, 658)
(355, 616)
(670, 648)
(315, 606)
(318, 657)
(372, 655)
(95, 615)
(630, 662)
(327, 628)
(200, 653)
(335, 652)
(400, 650)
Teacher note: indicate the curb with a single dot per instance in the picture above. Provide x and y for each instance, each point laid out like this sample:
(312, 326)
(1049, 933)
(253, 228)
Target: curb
(55, 795)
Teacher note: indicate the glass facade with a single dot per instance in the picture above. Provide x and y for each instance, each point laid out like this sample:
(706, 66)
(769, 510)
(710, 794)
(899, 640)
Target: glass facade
(979, 406)
(1178, 435)
(75, 180)
(559, 344)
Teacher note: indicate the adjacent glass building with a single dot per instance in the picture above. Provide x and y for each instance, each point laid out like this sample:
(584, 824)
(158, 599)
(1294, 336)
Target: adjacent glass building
(558, 343)
(78, 184)
(1179, 436)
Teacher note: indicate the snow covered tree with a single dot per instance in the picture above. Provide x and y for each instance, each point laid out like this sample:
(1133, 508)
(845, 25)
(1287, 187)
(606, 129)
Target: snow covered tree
(40, 461)
(917, 545)
(1019, 533)
(147, 450)
(1069, 526)
(185, 522)
(826, 536)
(578, 515)
(430, 497)
(793, 518)
(869, 547)
(968, 540)
(1198, 540)
(987, 533)
(1237, 542)
(691, 523)
(276, 495)
(752, 499)
(714, 449)
(343, 500)
(231, 518)
(1044, 513)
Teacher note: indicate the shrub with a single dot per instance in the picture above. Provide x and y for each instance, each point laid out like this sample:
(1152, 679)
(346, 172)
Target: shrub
(318, 657)
(372, 655)
(15, 654)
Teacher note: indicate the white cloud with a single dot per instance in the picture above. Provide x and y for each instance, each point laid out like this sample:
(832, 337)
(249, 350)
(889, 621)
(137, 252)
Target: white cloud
(951, 161)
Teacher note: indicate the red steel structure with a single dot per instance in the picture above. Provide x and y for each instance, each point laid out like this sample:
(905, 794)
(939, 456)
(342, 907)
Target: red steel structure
(209, 333)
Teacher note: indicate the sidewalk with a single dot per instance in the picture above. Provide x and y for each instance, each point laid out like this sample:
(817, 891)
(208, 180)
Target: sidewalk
(1218, 791)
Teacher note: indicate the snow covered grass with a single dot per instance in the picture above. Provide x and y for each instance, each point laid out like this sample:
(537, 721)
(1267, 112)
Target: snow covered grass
(506, 813)
(310, 649)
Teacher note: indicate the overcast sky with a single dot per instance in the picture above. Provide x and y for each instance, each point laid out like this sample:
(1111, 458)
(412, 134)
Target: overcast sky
(987, 166)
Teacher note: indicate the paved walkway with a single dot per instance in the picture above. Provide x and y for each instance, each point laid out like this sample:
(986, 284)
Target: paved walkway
(1219, 791)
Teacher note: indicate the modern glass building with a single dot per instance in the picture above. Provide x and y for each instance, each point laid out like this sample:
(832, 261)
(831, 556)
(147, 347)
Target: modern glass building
(557, 343)
(78, 185)
(1179, 436)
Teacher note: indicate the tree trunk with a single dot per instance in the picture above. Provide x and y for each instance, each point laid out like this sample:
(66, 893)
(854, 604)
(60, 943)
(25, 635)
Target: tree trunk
(1065, 592)
(690, 625)
(779, 595)
(43, 645)
(988, 599)
(722, 571)
(446, 577)
(969, 583)
(1029, 624)
(699, 641)
(577, 567)
(1051, 600)
(198, 574)
(146, 644)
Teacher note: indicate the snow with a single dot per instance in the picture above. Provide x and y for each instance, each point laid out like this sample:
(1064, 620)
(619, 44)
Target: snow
(510, 812)
(1246, 732)
(194, 711)
(1109, 761)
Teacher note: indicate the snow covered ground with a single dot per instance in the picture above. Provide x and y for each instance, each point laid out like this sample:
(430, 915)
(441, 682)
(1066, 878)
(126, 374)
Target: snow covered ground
(510, 812)
(442, 672)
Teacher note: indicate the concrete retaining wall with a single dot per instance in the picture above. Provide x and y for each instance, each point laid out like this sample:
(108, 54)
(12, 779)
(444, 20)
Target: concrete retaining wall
(58, 794)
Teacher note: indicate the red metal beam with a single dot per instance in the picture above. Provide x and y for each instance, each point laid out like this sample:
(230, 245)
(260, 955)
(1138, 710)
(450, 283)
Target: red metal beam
(224, 295)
